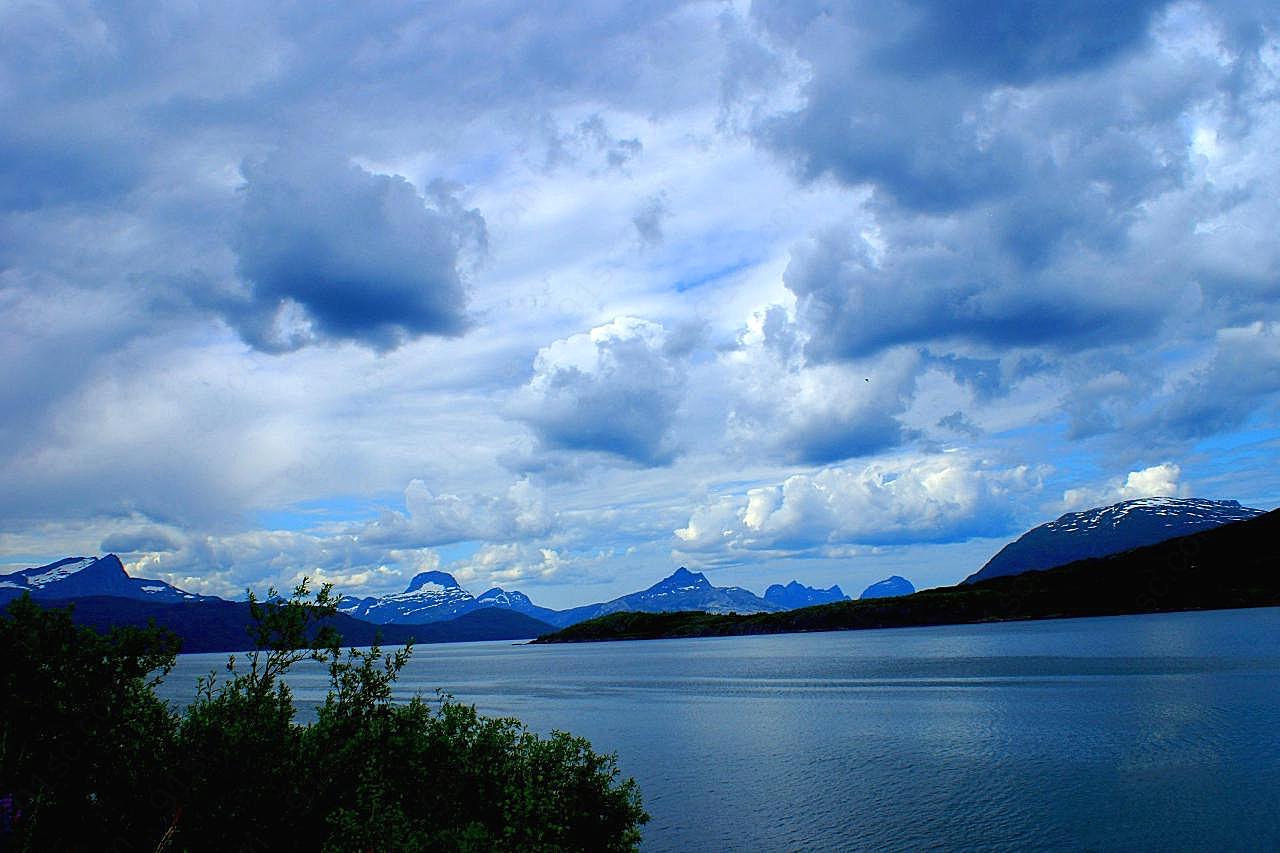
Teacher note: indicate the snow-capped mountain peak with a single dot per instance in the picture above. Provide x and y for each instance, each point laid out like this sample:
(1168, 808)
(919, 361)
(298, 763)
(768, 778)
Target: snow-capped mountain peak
(81, 577)
(1175, 510)
(1107, 530)
(429, 597)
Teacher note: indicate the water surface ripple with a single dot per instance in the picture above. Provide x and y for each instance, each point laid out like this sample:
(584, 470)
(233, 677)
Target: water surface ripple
(1155, 732)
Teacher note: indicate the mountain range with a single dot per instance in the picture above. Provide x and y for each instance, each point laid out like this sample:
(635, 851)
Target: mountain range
(437, 595)
(433, 608)
(796, 594)
(105, 595)
(436, 606)
(1228, 566)
(1109, 530)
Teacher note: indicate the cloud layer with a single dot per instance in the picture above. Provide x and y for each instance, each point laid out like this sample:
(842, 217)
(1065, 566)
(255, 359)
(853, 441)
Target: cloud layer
(564, 295)
(940, 499)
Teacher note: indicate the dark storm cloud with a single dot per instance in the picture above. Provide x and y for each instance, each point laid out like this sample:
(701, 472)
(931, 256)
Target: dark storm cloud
(917, 154)
(360, 255)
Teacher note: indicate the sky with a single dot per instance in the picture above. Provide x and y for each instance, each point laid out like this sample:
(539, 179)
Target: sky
(558, 297)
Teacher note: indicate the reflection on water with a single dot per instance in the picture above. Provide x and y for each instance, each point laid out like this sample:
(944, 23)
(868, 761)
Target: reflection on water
(1146, 732)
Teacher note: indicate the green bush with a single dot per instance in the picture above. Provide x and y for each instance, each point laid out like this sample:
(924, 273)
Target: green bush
(92, 759)
(83, 738)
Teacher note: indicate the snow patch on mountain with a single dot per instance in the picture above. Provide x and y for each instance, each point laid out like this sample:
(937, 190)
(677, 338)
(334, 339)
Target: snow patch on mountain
(60, 571)
(1103, 531)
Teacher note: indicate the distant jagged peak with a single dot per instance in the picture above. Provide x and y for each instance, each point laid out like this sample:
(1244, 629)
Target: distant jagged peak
(796, 586)
(109, 563)
(796, 594)
(681, 579)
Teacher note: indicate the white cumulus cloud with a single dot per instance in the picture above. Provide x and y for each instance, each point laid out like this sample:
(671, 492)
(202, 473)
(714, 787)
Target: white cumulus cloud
(943, 498)
(1157, 481)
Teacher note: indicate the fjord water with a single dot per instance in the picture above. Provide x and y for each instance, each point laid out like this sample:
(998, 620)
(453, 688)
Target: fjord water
(1154, 732)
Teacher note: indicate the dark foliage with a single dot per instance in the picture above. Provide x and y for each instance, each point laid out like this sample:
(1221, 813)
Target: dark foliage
(91, 759)
(83, 739)
(1235, 565)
